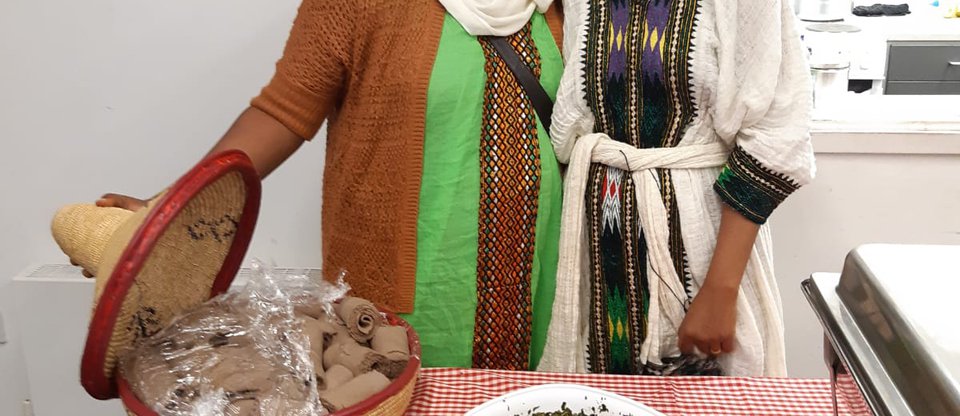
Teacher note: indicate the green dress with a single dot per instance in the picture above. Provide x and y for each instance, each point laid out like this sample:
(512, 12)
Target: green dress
(447, 228)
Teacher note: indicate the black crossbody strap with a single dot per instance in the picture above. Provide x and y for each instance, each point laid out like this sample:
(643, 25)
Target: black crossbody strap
(538, 96)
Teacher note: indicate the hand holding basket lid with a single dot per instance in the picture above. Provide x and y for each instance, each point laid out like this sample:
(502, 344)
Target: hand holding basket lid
(154, 264)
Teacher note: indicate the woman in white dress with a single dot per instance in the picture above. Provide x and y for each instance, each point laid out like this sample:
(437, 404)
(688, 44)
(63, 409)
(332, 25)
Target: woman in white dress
(684, 123)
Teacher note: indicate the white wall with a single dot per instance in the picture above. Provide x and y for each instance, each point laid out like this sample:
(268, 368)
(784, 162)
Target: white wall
(869, 188)
(124, 95)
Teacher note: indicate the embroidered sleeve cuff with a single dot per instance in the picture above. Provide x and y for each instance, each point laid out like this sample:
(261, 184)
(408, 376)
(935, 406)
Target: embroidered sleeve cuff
(750, 188)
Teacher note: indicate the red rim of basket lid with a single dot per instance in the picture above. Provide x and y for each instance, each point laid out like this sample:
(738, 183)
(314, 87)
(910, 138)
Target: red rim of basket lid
(104, 319)
(137, 407)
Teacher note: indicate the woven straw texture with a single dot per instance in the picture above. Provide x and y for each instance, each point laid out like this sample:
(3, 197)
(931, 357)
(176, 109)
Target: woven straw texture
(182, 267)
(397, 404)
(84, 230)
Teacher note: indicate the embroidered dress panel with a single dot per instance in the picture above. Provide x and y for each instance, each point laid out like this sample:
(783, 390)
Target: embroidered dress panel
(509, 184)
(637, 87)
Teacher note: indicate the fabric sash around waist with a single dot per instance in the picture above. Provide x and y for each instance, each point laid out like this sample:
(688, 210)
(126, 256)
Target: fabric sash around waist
(667, 295)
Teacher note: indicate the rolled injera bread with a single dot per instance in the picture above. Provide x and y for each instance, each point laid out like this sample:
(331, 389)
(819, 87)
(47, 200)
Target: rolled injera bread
(241, 370)
(360, 316)
(392, 343)
(334, 377)
(248, 407)
(213, 323)
(357, 358)
(281, 406)
(314, 332)
(354, 391)
(312, 309)
(291, 387)
(150, 377)
(334, 332)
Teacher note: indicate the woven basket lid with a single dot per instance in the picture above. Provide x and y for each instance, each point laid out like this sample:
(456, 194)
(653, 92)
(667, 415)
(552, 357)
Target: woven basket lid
(151, 265)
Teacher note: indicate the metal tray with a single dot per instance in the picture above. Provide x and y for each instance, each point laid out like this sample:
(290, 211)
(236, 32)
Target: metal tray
(892, 317)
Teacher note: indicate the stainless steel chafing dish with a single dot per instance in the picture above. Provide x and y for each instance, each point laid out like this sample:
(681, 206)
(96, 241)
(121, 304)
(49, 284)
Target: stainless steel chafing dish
(891, 321)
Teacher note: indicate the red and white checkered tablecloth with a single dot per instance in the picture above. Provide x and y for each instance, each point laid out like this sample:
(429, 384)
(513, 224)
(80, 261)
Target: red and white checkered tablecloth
(450, 391)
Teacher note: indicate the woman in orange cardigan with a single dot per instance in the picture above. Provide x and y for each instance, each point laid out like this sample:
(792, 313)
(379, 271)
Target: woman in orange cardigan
(441, 192)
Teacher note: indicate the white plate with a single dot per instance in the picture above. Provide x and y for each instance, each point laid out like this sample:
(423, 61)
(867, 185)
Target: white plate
(550, 397)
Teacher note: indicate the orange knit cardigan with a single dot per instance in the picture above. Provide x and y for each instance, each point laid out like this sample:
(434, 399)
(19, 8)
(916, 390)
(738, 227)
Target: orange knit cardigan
(364, 66)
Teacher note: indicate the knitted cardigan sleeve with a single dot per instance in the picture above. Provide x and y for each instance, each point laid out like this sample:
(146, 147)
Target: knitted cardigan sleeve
(762, 106)
(311, 75)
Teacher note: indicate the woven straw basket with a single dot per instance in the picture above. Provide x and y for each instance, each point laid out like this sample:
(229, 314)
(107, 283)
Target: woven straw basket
(184, 248)
(392, 401)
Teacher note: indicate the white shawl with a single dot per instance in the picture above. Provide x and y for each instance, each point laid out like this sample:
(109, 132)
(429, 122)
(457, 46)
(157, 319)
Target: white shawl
(494, 17)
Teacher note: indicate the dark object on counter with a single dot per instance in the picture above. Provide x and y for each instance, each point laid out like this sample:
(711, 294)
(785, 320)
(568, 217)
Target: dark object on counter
(859, 85)
(892, 346)
(684, 365)
(882, 10)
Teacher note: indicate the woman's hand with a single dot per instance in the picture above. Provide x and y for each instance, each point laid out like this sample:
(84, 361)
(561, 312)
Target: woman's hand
(710, 323)
(265, 140)
(121, 201)
(115, 201)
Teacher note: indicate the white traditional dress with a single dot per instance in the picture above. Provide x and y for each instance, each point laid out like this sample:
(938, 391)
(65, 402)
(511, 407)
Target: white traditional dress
(666, 110)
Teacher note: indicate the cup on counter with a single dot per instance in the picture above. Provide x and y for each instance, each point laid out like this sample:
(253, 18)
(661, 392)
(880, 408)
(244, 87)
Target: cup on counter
(830, 80)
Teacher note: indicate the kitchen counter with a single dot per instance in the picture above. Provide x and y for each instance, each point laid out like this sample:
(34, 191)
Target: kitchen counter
(923, 23)
(862, 113)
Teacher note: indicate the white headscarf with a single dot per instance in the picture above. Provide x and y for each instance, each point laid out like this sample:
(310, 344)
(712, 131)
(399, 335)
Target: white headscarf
(494, 17)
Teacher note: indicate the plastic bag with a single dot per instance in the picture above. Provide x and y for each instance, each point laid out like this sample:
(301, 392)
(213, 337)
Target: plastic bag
(243, 353)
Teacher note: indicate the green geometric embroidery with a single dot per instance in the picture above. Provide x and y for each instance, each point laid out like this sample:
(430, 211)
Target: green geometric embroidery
(618, 322)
